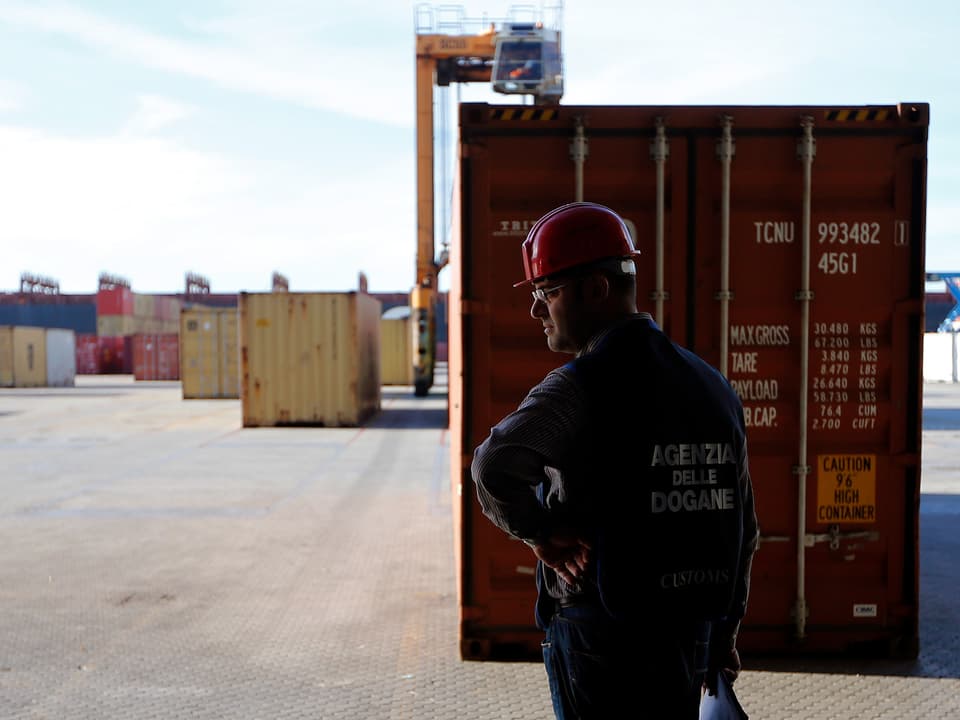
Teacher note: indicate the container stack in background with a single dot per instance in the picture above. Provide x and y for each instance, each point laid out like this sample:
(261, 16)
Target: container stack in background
(115, 327)
(137, 333)
(40, 306)
(156, 337)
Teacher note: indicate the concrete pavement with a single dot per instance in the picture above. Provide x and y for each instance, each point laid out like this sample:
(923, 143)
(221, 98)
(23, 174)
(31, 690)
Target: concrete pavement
(160, 561)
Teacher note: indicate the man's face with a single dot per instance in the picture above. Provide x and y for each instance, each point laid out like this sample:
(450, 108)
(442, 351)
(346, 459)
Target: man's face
(555, 305)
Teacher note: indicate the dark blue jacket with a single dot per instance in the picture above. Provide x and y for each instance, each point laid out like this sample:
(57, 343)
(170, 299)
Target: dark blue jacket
(664, 479)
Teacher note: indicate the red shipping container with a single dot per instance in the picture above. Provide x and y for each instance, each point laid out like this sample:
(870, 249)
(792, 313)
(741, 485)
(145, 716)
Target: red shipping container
(156, 356)
(88, 356)
(116, 355)
(115, 301)
(785, 245)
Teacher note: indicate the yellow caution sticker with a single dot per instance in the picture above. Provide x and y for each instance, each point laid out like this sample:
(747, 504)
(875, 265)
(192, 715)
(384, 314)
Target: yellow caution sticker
(846, 489)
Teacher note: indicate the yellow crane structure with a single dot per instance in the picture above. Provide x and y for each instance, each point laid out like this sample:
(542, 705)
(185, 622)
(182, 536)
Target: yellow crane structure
(517, 56)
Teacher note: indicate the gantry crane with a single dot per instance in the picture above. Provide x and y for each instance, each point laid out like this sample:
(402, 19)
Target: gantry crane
(518, 56)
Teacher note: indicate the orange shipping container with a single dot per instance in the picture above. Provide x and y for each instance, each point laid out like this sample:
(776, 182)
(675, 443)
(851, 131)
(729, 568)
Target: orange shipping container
(309, 358)
(785, 245)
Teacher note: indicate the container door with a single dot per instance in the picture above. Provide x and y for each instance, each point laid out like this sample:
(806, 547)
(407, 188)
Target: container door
(822, 339)
(516, 167)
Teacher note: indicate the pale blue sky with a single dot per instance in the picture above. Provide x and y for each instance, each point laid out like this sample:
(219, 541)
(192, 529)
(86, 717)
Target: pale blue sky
(234, 138)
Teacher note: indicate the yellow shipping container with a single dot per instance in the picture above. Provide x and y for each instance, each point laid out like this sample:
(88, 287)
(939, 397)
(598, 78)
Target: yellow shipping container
(143, 305)
(116, 325)
(23, 356)
(396, 347)
(309, 358)
(209, 366)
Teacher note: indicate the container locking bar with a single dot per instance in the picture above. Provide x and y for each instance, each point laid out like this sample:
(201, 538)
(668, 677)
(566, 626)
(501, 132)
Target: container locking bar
(579, 151)
(725, 151)
(806, 151)
(660, 151)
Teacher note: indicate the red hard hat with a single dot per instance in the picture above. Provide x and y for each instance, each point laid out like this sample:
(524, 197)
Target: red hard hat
(578, 233)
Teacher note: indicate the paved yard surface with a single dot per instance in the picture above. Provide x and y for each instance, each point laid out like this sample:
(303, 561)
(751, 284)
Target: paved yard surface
(160, 561)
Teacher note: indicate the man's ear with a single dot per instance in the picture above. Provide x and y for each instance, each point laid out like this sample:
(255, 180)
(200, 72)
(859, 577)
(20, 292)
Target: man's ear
(596, 287)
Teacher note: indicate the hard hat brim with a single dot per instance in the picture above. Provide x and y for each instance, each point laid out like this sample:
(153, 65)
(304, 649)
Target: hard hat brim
(530, 281)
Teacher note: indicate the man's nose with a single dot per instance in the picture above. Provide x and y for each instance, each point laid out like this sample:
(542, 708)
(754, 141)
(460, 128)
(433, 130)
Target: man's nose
(538, 309)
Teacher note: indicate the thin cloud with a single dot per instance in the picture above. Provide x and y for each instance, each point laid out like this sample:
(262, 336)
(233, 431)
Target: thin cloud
(312, 75)
(11, 96)
(154, 113)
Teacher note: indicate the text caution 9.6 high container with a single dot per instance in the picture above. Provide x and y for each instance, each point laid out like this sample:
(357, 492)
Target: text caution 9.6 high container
(785, 245)
(309, 358)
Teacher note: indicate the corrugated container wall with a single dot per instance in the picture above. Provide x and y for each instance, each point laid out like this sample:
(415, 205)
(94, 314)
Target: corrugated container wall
(61, 357)
(88, 355)
(209, 357)
(116, 325)
(785, 245)
(396, 347)
(116, 355)
(23, 356)
(156, 356)
(309, 358)
(155, 314)
(115, 301)
(79, 317)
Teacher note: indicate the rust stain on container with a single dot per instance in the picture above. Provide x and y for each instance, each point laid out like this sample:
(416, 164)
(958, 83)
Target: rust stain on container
(318, 366)
(783, 245)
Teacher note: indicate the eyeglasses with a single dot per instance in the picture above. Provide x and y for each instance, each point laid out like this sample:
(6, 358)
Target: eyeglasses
(543, 294)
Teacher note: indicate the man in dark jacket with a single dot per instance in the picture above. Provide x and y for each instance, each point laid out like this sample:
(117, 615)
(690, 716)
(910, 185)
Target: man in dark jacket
(626, 472)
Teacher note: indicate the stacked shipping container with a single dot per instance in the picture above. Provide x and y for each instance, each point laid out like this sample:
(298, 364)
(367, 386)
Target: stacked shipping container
(115, 327)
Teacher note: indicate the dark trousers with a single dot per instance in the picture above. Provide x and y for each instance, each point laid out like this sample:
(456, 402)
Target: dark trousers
(599, 669)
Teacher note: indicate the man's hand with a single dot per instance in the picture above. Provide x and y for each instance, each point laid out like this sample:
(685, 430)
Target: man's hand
(566, 554)
(729, 664)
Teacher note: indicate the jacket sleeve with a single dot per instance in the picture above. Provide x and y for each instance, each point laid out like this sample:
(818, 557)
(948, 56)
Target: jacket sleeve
(726, 633)
(523, 456)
